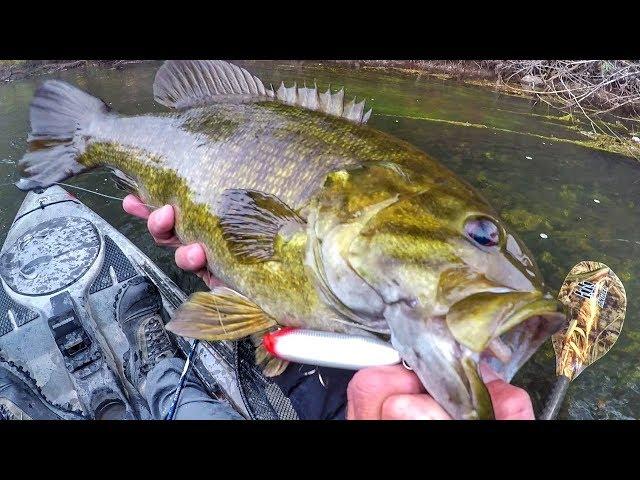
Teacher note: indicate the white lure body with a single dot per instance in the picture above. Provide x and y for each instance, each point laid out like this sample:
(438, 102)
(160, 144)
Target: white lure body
(328, 349)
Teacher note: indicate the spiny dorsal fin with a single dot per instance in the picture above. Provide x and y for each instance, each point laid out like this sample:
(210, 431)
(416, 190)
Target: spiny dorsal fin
(189, 83)
(327, 102)
(333, 104)
(250, 221)
(221, 314)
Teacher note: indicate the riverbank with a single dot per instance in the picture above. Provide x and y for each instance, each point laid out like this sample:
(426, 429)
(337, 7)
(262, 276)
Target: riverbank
(11, 70)
(598, 86)
(601, 99)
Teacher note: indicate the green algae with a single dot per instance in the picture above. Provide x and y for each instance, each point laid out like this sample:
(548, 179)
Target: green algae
(525, 220)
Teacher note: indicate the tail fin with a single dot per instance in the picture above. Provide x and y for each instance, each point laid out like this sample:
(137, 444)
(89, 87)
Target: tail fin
(60, 116)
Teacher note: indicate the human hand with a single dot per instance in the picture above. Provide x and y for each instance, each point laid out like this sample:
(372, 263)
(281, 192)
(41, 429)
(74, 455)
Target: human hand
(160, 224)
(395, 393)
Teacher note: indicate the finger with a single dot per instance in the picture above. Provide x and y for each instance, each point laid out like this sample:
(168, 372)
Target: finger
(161, 222)
(351, 413)
(194, 259)
(370, 387)
(488, 373)
(134, 206)
(412, 407)
(191, 257)
(209, 280)
(509, 402)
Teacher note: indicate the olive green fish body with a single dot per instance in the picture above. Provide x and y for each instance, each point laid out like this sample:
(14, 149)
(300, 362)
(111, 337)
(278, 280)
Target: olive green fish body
(188, 159)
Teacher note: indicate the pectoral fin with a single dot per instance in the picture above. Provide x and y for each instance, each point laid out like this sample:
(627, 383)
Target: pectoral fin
(250, 221)
(221, 314)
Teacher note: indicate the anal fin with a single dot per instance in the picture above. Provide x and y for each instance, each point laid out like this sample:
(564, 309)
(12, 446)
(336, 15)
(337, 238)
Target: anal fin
(271, 366)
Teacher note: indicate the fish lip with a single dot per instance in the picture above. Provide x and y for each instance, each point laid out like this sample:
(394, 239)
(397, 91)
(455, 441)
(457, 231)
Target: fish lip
(481, 317)
(534, 321)
(449, 369)
(546, 308)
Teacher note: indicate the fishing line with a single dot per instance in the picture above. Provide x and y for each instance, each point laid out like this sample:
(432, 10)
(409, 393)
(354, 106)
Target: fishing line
(97, 193)
(89, 191)
(77, 188)
(183, 379)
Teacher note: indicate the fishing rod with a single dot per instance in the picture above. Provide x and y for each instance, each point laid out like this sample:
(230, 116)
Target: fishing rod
(595, 302)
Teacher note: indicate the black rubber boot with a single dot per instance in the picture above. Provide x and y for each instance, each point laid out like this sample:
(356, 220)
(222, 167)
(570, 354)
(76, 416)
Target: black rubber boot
(22, 399)
(138, 307)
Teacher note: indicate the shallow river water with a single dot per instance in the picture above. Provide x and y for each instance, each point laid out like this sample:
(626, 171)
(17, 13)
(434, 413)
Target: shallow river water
(568, 203)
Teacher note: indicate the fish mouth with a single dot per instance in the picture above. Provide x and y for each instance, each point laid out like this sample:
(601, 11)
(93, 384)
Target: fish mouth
(508, 352)
(502, 330)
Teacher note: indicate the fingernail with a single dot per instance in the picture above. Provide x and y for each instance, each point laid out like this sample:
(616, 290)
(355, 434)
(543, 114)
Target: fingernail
(165, 209)
(424, 417)
(488, 374)
(193, 256)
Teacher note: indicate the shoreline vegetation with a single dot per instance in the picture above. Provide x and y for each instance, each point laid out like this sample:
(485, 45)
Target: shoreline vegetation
(599, 87)
(601, 98)
(11, 70)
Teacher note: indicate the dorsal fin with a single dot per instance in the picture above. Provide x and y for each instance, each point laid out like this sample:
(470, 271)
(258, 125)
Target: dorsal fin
(189, 83)
(327, 102)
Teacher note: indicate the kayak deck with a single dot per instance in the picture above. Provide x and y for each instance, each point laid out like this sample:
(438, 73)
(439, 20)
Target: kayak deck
(61, 267)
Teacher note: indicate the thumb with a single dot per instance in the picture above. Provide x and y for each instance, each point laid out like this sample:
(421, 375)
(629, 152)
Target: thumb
(509, 402)
(419, 406)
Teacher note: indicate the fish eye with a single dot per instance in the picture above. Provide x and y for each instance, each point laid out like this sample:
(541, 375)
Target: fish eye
(483, 231)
